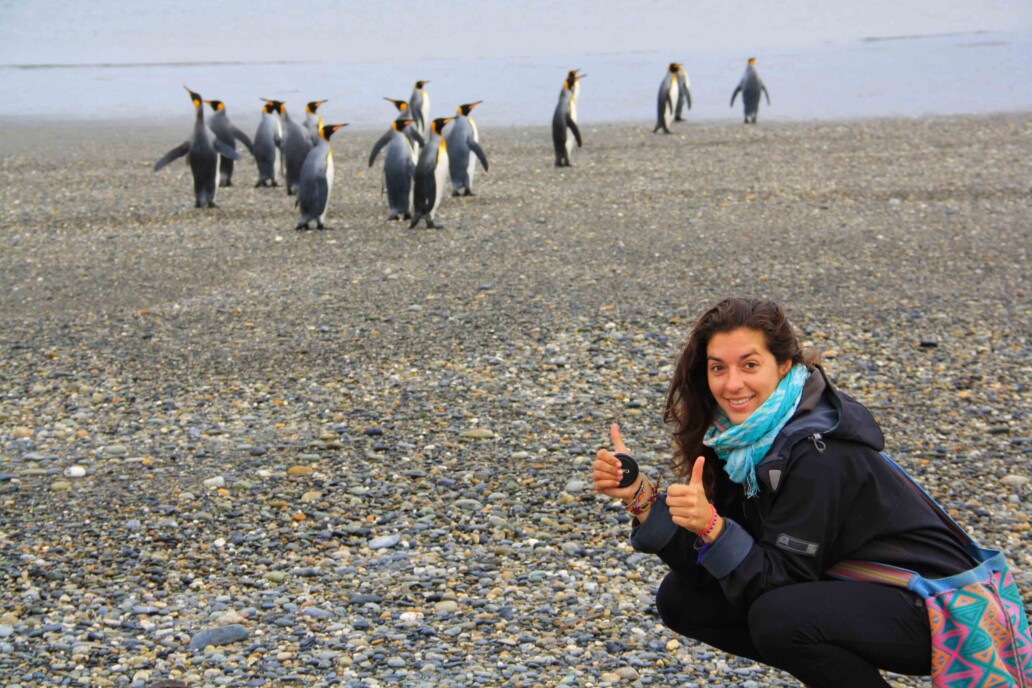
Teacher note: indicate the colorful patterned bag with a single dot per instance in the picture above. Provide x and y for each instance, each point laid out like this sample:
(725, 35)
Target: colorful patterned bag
(980, 634)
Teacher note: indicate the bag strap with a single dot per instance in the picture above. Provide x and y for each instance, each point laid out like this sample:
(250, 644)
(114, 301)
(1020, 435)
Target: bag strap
(872, 572)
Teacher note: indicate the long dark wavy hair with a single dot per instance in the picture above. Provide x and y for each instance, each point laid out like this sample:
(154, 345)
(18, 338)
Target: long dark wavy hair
(690, 404)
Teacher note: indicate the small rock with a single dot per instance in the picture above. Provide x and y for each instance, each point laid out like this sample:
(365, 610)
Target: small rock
(299, 470)
(216, 482)
(61, 486)
(385, 541)
(477, 434)
(1015, 480)
(220, 635)
(74, 472)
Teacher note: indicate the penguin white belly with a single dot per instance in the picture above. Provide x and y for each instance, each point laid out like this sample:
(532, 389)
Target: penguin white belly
(329, 186)
(277, 158)
(471, 168)
(441, 178)
(671, 103)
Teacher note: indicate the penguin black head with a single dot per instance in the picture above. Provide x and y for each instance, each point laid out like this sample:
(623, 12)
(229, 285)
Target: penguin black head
(195, 97)
(402, 105)
(438, 124)
(216, 105)
(752, 61)
(420, 84)
(272, 106)
(312, 106)
(572, 78)
(400, 123)
(328, 130)
(467, 108)
(674, 67)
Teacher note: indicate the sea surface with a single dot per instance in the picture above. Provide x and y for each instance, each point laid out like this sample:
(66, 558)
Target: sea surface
(108, 60)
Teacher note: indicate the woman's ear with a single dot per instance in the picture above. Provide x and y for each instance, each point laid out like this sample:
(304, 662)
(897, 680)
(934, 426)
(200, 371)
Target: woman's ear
(783, 368)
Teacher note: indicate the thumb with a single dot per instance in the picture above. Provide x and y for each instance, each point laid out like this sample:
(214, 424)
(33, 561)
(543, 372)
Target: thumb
(617, 439)
(700, 464)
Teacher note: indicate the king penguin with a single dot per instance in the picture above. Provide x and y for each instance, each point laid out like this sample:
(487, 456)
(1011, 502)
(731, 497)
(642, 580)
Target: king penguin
(295, 147)
(202, 151)
(670, 90)
(431, 176)
(267, 142)
(415, 137)
(750, 87)
(399, 165)
(684, 94)
(564, 120)
(316, 182)
(228, 134)
(463, 138)
(312, 119)
(419, 101)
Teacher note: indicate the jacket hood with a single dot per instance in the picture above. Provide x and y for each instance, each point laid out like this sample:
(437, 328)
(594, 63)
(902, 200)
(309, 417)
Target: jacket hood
(827, 412)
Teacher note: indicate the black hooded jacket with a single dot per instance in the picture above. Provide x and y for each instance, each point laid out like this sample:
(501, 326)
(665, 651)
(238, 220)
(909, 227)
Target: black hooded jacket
(826, 494)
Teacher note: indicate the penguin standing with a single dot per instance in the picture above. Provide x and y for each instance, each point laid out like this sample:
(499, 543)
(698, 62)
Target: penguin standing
(202, 151)
(670, 90)
(419, 101)
(267, 145)
(399, 165)
(316, 180)
(312, 119)
(684, 94)
(415, 138)
(295, 147)
(228, 134)
(750, 87)
(564, 120)
(431, 176)
(462, 139)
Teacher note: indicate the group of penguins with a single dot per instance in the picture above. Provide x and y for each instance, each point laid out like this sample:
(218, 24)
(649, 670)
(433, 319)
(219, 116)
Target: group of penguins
(420, 156)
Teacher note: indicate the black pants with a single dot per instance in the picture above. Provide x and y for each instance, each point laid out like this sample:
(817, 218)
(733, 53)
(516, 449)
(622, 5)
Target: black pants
(828, 633)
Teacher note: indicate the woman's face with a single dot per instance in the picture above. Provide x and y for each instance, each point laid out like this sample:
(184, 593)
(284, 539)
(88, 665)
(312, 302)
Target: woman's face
(741, 371)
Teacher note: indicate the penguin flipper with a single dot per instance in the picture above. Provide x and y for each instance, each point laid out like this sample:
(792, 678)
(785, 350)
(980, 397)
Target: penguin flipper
(576, 132)
(244, 139)
(764, 89)
(226, 152)
(475, 147)
(378, 146)
(174, 154)
(414, 136)
(738, 89)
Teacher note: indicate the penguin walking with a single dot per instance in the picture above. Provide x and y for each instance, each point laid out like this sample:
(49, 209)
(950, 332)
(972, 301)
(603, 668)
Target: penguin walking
(670, 90)
(316, 180)
(419, 101)
(228, 134)
(564, 120)
(267, 142)
(399, 165)
(750, 87)
(415, 137)
(431, 176)
(684, 94)
(311, 123)
(202, 151)
(463, 139)
(295, 147)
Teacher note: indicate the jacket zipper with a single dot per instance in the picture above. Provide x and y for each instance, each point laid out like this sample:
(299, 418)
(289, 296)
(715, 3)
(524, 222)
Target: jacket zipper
(817, 443)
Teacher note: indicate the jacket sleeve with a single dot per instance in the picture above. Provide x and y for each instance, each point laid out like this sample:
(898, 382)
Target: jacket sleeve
(799, 526)
(673, 544)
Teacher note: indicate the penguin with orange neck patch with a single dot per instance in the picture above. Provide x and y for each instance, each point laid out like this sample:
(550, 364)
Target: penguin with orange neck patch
(464, 139)
(316, 180)
(203, 151)
(431, 178)
(564, 120)
(228, 134)
(750, 87)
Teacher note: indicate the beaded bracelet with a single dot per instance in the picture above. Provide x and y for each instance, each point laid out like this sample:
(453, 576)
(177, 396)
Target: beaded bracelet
(636, 507)
(712, 523)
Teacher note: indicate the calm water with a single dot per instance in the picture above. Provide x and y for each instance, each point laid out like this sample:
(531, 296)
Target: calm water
(107, 59)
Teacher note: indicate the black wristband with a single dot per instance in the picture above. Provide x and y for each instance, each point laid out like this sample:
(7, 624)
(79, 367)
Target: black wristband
(630, 469)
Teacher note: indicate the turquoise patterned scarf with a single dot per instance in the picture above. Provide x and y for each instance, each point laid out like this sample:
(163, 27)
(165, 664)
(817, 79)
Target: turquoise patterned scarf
(742, 447)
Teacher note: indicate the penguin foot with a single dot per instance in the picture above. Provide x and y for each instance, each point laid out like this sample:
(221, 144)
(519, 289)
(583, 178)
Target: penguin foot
(468, 192)
(228, 182)
(393, 217)
(407, 216)
(211, 204)
(455, 193)
(301, 226)
(261, 182)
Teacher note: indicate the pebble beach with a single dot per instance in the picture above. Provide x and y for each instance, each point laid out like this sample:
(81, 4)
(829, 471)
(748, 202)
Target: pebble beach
(236, 454)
